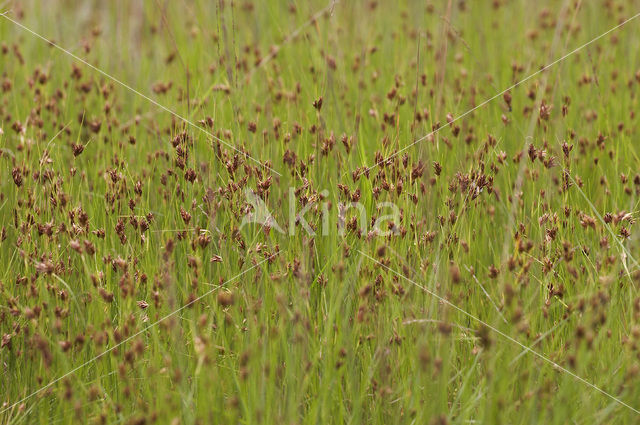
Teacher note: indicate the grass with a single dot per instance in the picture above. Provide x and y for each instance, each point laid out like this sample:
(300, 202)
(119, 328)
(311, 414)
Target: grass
(515, 230)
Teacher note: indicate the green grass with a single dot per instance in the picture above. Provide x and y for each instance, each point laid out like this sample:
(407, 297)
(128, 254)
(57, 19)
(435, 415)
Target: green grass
(310, 329)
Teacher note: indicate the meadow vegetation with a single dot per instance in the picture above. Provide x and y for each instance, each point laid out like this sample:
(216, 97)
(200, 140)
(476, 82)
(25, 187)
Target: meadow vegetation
(506, 291)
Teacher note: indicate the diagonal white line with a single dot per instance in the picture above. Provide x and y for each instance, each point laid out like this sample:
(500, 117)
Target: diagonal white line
(486, 294)
(544, 68)
(173, 313)
(175, 114)
(504, 335)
